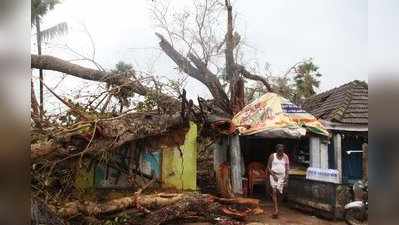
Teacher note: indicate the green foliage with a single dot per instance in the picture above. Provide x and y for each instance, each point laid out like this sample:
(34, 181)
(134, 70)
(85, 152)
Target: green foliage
(118, 220)
(296, 89)
(150, 103)
(284, 87)
(54, 31)
(39, 8)
(122, 67)
(306, 80)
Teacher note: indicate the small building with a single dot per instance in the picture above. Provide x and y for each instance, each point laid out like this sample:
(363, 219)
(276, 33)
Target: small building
(344, 112)
(323, 164)
(259, 127)
(165, 150)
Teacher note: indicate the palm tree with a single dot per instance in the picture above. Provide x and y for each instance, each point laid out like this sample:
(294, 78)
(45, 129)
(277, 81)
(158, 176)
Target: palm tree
(39, 8)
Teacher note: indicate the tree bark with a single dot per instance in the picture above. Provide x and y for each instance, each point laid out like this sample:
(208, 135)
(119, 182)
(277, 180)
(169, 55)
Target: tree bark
(236, 83)
(165, 207)
(42, 149)
(39, 52)
(230, 70)
(135, 126)
(35, 112)
(113, 132)
(94, 209)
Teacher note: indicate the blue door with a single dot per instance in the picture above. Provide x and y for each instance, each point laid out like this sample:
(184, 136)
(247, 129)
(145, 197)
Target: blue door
(352, 158)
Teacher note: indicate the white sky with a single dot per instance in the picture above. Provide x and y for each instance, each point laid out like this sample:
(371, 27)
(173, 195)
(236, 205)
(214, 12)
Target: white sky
(282, 32)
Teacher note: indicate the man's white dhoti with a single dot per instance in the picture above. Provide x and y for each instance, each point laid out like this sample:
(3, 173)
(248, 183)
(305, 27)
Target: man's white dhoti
(279, 184)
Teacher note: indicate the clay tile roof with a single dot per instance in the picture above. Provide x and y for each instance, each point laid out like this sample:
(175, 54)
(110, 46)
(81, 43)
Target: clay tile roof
(345, 104)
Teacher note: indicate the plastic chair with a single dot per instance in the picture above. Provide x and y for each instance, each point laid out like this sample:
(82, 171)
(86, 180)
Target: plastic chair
(257, 174)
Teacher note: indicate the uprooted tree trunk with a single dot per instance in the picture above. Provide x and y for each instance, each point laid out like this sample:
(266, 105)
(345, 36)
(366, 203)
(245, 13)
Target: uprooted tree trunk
(160, 208)
(190, 203)
(197, 69)
(236, 82)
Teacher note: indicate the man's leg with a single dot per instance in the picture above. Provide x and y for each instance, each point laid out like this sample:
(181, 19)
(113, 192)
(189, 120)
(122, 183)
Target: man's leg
(275, 203)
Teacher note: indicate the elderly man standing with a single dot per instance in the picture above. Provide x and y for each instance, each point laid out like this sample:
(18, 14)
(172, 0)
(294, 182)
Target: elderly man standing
(278, 166)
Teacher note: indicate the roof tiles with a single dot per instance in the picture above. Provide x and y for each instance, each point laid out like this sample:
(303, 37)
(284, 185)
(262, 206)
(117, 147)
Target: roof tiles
(345, 104)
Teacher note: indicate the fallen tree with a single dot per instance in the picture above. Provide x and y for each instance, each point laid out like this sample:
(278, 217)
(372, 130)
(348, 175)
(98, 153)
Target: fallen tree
(160, 208)
(109, 133)
(130, 84)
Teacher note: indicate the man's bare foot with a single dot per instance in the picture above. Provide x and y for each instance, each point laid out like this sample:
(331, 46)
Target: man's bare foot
(275, 215)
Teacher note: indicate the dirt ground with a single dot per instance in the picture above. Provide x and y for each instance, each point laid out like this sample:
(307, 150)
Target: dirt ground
(288, 216)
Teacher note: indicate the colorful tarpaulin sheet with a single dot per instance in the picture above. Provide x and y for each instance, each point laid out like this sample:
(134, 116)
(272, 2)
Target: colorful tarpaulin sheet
(274, 116)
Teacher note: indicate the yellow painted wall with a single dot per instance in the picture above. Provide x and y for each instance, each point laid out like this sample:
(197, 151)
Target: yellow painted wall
(181, 172)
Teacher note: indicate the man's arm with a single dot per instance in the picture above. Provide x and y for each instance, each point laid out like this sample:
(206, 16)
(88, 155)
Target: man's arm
(287, 166)
(269, 164)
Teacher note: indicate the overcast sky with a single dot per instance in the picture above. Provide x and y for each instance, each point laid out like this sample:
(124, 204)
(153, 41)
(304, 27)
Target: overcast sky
(281, 32)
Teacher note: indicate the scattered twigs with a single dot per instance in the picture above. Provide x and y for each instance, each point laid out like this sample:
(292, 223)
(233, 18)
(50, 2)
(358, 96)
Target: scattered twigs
(69, 105)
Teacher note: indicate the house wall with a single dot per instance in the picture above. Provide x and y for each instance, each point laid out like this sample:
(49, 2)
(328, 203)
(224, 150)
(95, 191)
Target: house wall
(179, 166)
(321, 198)
(108, 177)
(176, 169)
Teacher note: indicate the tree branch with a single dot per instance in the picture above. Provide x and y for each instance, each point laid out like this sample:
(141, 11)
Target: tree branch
(47, 62)
(251, 76)
(183, 63)
(198, 71)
